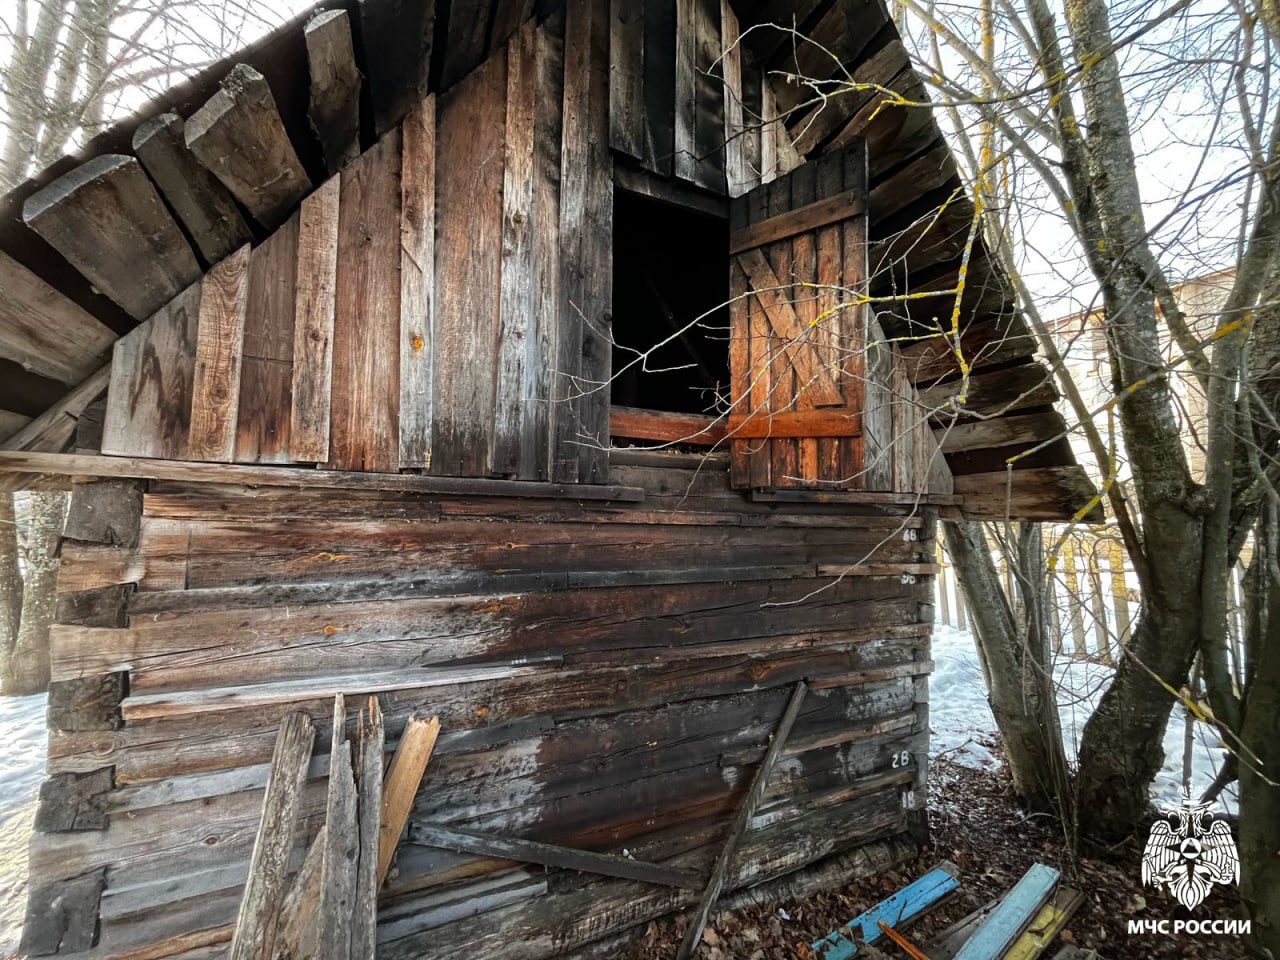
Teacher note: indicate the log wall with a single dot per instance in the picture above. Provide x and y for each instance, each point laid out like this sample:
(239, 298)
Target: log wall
(607, 676)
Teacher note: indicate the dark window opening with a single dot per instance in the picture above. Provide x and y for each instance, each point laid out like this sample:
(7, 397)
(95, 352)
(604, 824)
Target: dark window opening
(670, 287)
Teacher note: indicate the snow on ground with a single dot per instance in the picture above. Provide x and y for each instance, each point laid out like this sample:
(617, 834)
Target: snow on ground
(21, 769)
(964, 729)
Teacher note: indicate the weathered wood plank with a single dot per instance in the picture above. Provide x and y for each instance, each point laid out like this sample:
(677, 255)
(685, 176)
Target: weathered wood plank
(550, 855)
(215, 384)
(401, 784)
(397, 39)
(21, 461)
(666, 427)
(334, 110)
(299, 934)
(838, 422)
(699, 115)
(108, 221)
(341, 856)
(45, 331)
(811, 216)
(659, 86)
(417, 284)
(152, 373)
(471, 125)
(900, 908)
(258, 920)
(365, 397)
(627, 118)
(517, 340)
(205, 207)
(370, 743)
(1018, 906)
(239, 136)
(315, 303)
(267, 358)
(738, 173)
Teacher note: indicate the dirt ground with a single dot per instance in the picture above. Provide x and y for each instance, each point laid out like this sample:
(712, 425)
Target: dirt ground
(975, 825)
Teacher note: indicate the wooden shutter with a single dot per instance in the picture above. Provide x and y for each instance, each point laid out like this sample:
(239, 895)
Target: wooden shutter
(798, 266)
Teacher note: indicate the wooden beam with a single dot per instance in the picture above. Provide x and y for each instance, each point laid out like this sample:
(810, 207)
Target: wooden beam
(335, 87)
(240, 137)
(45, 331)
(674, 193)
(108, 221)
(102, 466)
(50, 431)
(215, 391)
(397, 39)
(550, 855)
(666, 427)
(204, 205)
(257, 922)
(829, 422)
(1043, 493)
(813, 216)
(401, 785)
(698, 922)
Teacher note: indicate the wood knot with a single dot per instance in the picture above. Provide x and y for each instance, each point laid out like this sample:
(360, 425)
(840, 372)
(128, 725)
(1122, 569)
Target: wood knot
(417, 343)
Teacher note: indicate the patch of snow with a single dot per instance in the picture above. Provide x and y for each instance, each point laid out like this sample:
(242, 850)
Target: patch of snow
(962, 724)
(22, 731)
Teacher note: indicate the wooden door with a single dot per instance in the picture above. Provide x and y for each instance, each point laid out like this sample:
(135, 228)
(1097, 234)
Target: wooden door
(798, 327)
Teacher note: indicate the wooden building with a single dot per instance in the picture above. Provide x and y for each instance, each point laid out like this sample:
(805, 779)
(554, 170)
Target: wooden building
(559, 369)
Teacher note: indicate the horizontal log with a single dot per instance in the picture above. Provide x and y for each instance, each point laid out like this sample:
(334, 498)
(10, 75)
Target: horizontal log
(1047, 493)
(1029, 429)
(550, 855)
(146, 469)
(854, 497)
(664, 426)
(878, 570)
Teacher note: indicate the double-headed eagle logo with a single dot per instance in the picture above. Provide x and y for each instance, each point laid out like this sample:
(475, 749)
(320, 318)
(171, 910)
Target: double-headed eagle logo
(1187, 855)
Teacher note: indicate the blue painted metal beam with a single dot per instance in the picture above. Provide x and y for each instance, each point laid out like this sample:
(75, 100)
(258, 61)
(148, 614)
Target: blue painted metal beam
(908, 903)
(993, 938)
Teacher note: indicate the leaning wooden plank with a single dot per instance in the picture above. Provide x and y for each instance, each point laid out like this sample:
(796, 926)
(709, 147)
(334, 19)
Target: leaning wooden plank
(314, 299)
(299, 932)
(106, 218)
(1019, 905)
(21, 461)
(370, 743)
(152, 372)
(215, 388)
(342, 845)
(257, 922)
(1046, 925)
(417, 282)
(365, 399)
(240, 137)
(204, 205)
(550, 855)
(335, 87)
(45, 331)
(903, 906)
(401, 785)
(50, 431)
(725, 862)
(397, 38)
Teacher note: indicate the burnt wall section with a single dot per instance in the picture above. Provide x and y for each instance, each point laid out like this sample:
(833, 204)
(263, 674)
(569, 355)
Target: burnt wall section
(607, 677)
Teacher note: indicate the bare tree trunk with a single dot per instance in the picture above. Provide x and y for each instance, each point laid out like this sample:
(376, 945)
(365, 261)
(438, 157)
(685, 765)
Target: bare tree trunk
(10, 589)
(1015, 661)
(39, 599)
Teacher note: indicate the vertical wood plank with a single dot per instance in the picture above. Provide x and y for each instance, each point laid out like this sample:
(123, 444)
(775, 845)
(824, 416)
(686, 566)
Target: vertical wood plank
(516, 340)
(905, 427)
(737, 173)
(804, 268)
(626, 77)
(877, 417)
(149, 400)
(784, 453)
(315, 291)
(761, 362)
(364, 434)
(739, 361)
(469, 171)
(830, 278)
(686, 113)
(417, 280)
(266, 379)
(215, 394)
(851, 324)
(769, 123)
(586, 232)
(658, 132)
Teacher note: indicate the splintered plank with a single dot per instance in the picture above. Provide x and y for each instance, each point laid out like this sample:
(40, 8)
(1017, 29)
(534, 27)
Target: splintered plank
(106, 218)
(903, 906)
(314, 305)
(401, 785)
(469, 172)
(738, 174)
(417, 283)
(152, 370)
(45, 331)
(586, 229)
(369, 746)
(364, 434)
(341, 853)
(516, 340)
(240, 137)
(257, 921)
(397, 38)
(334, 110)
(203, 204)
(266, 380)
(215, 391)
